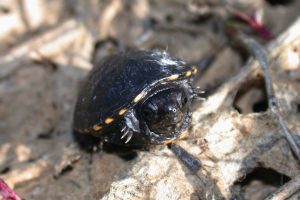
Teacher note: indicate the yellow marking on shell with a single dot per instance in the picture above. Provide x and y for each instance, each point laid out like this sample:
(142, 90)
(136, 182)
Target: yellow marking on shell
(123, 111)
(184, 135)
(138, 97)
(97, 127)
(188, 73)
(194, 70)
(168, 141)
(109, 120)
(173, 77)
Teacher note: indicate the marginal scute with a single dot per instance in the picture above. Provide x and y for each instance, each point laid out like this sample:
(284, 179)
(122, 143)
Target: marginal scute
(169, 141)
(173, 77)
(184, 135)
(138, 97)
(97, 127)
(123, 111)
(194, 70)
(109, 120)
(188, 74)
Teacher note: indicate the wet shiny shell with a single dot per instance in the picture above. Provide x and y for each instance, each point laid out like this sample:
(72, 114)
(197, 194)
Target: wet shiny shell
(119, 82)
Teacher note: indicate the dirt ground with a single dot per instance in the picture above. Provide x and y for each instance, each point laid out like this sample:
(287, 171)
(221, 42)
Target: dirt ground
(48, 47)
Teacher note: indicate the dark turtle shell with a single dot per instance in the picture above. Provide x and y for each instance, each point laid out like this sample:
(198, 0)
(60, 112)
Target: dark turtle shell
(119, 82)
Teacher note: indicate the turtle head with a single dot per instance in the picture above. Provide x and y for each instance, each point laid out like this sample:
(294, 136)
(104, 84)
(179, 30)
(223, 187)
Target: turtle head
(167, 112)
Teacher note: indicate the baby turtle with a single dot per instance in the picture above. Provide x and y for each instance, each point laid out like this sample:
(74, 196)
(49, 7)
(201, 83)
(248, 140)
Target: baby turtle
(135, 99)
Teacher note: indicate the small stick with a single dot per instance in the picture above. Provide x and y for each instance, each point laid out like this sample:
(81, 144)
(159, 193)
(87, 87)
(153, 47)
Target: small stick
(286, 190)
(189, 160)
(260, 54)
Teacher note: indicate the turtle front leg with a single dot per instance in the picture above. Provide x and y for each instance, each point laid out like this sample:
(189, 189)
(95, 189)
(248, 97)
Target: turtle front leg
(132, 125)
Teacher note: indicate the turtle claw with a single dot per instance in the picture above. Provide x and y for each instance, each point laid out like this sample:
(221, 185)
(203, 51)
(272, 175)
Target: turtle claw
(197, 93)
(127, 133)
(129, 136)
(125, 130)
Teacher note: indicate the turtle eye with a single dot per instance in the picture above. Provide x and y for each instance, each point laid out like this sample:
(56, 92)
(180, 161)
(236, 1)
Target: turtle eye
(182, 99)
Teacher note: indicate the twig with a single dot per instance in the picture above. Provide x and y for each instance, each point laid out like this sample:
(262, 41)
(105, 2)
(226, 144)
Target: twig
(189, 160)
(259, 52)
(215, 101)
(286, 190)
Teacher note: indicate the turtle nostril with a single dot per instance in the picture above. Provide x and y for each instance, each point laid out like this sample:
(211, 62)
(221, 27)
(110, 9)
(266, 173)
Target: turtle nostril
(177, 118)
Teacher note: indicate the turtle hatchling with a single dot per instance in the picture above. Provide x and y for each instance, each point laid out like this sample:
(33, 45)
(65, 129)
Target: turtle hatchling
(135, 99)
